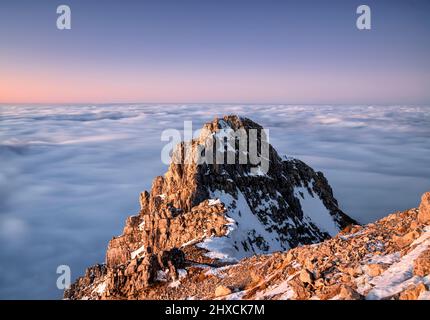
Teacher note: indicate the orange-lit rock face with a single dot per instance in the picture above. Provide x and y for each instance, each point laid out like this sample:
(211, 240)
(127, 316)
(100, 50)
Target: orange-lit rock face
(217, 214)
(424, 214)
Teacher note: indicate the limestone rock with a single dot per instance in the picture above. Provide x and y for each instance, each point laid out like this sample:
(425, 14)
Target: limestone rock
(348, 293)
(306, 276)
(164, 251)
(300, 291)
(183, 209)
(222, 291)
(407, 239)
(346, 267)
(375, 269)
(328, 292)
(424, 209)
(422, 264)
(413, 291)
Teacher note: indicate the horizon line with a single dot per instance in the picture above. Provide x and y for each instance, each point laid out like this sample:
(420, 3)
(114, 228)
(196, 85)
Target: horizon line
(218, 103)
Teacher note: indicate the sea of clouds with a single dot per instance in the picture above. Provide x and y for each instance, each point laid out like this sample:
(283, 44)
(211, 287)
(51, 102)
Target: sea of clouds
(70, 175)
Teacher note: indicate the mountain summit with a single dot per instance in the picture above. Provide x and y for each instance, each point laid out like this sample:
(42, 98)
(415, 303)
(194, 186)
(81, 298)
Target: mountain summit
(216, 212)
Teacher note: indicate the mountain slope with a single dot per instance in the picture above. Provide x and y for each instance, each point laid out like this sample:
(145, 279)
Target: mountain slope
(215, 214)
(388, 259)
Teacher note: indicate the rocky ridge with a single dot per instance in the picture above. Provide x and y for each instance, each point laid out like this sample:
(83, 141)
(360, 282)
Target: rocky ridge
(199, 220)
(196, 202)
(387, 259)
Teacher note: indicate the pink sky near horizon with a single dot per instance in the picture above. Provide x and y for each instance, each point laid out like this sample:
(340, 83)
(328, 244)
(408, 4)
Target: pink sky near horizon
(50, 84)
(284, 52)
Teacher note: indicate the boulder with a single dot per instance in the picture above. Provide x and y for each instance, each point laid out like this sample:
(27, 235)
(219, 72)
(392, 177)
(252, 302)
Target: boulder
(328, 292)
(407, 239)
(222, 291)
(424, 209)
(375, 269)
(300, 292)
(306, 276)
(348, 293)
(413, 291)
(422, 264)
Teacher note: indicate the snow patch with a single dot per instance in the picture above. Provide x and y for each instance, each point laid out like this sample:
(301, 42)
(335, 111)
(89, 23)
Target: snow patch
(257, 172)
(243, 225)
(100, 289)
(234, 296)
(384, 259)
(223, 124)
(400, 274)
(138, 252)
(182, 273)
(217, 272)
(174, 284)
(352, 235)
(213, 202)
(424, 295)
(192, 241)
(283, 289)
(314, 211)
(162, 275)
(425, 236)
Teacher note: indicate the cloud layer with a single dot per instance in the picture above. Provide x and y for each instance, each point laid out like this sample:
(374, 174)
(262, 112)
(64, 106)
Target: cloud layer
(70, 175)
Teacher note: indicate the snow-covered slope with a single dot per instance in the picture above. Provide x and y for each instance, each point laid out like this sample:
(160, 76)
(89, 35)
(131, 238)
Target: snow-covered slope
(287, 206)
(315, 212)
(243, 224)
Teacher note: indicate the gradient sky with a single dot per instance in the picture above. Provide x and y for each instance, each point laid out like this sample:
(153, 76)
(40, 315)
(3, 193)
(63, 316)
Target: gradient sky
(283, 51)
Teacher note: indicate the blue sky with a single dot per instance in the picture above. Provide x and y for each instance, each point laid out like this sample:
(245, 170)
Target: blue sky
(215, 51)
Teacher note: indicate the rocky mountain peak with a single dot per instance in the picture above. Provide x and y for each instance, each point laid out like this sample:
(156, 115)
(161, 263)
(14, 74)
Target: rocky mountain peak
(227, 195)
(286, 206)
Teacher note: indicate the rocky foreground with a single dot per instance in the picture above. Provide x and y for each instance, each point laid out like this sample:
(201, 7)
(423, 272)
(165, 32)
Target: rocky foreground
(221, 232)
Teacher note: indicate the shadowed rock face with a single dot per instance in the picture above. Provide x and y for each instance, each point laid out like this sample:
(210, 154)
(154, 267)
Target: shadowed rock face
(217, 213)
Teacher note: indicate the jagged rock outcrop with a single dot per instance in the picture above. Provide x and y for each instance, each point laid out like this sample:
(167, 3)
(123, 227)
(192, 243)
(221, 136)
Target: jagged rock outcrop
(182, 206)
(217, 213)
(361, 262)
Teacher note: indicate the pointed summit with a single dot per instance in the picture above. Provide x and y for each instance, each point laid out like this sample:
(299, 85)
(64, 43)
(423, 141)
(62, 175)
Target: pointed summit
(219, 209)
